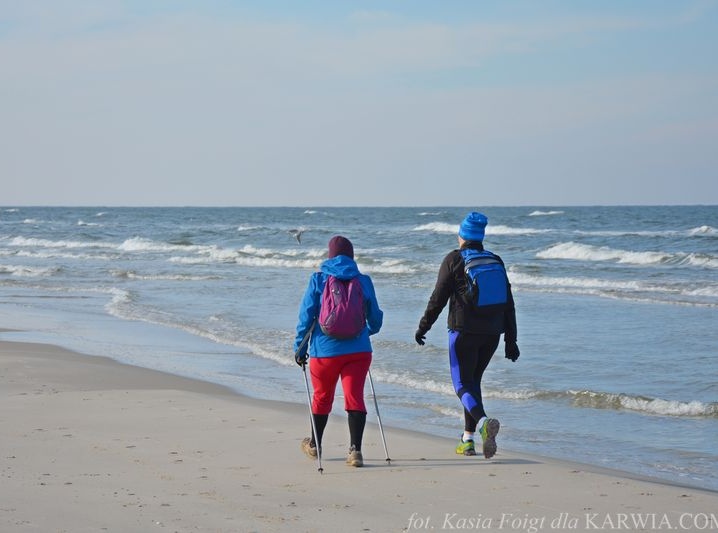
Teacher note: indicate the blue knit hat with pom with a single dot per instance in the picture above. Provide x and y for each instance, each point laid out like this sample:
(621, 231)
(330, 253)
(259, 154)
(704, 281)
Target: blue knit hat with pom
(473, 226)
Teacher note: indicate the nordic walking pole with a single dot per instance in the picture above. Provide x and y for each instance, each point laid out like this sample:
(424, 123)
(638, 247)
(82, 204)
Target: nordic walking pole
(311, 419)
(309, 398)
(378, 416)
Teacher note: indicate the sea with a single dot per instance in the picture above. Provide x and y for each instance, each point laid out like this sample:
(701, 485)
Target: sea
(617, 311)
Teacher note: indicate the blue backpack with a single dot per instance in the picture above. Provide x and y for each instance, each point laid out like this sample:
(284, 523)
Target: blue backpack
(486, 280)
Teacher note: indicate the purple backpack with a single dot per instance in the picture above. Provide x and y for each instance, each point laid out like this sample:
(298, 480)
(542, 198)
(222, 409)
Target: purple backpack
(341, 313)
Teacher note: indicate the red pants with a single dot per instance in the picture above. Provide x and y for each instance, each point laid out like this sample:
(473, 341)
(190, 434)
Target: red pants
(326, 371)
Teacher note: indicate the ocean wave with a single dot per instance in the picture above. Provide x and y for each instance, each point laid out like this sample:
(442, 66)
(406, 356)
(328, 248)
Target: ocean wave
(643, 404)
(414, 382)
(627, 233)
(642, 291)
(508, 230)
(703, 230)
(33, 242)
(438, 227)
(586, 252)
(28, 271)
(578, 398)
(545, 213)
(519, 278)
(699, 260)
(700, 231)
(310, 258)
(119, 297)
(390, 266)
(61, 254)
(132, 275)
(443, 227)
(614, 401)
(141, 244)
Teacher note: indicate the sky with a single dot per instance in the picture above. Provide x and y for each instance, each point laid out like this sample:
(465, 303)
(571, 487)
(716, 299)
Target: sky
(364, 103)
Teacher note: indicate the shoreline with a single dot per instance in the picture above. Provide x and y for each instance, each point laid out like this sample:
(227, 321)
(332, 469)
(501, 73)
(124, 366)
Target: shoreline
(91, 443)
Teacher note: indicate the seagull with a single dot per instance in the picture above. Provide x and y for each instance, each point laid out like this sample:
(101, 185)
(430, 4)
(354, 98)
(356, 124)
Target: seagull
(297, 234)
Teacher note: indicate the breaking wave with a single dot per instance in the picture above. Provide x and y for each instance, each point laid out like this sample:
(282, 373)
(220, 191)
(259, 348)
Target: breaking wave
(443, 227)
(587, 252)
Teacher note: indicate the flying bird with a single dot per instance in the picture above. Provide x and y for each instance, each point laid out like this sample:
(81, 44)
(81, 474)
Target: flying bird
(297, 234)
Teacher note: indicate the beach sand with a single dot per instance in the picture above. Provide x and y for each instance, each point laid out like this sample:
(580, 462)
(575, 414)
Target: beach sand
(89, 444)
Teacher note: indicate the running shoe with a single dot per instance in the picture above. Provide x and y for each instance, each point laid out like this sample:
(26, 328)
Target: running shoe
(307, 447)
(489, 429)
(355, 457)
(465, 448)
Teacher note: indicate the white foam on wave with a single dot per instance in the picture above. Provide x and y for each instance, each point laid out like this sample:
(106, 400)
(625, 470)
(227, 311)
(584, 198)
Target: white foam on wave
(141, 244)
(27, 271)
(438, 227)
(390, 266)
(443, 227)
(275, 262)
(61, 254)
(700, 260)
(703, 230)
(645, 405)
(539, 213)
(577, 283)
(710, 291)
(586, 252)
(32, 242)
(635, 290)
(247, 227)
(579, 398)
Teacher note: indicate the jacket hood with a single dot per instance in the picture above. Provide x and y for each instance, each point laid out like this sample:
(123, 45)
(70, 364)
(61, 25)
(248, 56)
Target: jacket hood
(341, 266)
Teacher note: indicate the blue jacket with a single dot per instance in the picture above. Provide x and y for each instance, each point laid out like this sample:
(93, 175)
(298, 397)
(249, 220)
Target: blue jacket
(321, 345)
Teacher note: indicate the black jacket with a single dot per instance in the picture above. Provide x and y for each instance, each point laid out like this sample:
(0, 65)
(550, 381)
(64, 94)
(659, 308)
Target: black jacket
(451, 287)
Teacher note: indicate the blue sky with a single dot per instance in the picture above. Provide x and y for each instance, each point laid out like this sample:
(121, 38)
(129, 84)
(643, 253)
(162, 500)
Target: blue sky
(359, 103)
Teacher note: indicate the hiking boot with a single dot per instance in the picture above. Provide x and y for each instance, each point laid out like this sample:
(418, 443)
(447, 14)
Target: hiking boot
(489, 429)
(355, 457)
(307, 447)
(465, 448)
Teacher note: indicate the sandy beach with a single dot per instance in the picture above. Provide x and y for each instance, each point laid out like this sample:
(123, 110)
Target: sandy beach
(89, 444)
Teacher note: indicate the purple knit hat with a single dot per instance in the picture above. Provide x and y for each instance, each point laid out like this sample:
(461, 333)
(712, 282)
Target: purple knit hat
(339, 245)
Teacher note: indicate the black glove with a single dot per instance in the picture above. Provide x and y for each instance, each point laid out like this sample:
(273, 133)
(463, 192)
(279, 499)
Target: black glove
(512, 350)
(420, 337)
(301, 359)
